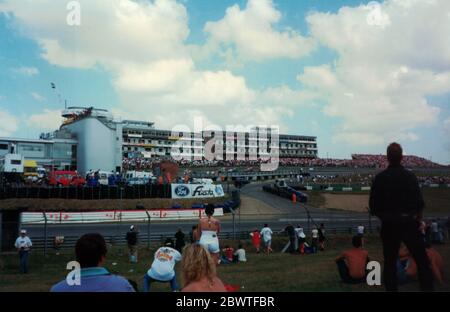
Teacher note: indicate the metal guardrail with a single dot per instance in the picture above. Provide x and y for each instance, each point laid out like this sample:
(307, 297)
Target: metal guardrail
(70, 241)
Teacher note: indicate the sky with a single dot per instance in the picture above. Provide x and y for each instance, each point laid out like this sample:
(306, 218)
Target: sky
(356, 74)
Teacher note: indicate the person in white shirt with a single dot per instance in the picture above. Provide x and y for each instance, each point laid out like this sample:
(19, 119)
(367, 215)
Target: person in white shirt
(266, 234)
(315, 239)
(163, 267)
(360, 230)
(23, 245)
(240, 254)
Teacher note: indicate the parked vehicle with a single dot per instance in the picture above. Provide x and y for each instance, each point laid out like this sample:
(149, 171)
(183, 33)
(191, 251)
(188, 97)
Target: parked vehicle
(12, 163)
(30, 172)
(66, 178)
(104, 175)
(138, 181)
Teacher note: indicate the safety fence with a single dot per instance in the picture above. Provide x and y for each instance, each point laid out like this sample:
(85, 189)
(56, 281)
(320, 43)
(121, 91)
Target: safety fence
(88, 192)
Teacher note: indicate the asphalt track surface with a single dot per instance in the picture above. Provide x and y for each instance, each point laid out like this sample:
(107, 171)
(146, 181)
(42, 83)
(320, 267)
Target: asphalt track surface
(285, 212)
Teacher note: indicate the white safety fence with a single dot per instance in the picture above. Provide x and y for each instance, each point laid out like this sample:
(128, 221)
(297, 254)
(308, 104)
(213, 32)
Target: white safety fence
(114, 216)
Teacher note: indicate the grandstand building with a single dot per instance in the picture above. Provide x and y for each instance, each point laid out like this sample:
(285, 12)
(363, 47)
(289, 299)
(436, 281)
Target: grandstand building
(91, 139)
(49, 151)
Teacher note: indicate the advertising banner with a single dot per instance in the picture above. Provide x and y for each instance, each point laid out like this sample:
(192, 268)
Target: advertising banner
(197, 191)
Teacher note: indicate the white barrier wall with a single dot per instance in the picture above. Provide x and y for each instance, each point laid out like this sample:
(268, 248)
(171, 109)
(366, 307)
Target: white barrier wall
(114, 216)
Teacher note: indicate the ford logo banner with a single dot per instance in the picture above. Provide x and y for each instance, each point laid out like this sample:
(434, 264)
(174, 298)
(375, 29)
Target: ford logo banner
(182, 191)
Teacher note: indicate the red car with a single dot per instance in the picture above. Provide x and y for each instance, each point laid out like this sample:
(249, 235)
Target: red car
(66, 178)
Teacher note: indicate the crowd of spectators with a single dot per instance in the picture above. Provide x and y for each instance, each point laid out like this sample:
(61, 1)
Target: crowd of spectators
(357, 161)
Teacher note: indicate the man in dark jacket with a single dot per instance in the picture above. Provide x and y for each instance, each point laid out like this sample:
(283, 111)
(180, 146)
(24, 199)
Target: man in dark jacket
(397, 201)
(132, 240)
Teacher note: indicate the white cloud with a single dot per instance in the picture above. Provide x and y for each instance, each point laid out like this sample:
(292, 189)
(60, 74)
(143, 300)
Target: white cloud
(47, 120)
(8, 123)
(251, 32)
(447, 124)
(26, 71)
(142, 46)
(379, 84)
(38, 97)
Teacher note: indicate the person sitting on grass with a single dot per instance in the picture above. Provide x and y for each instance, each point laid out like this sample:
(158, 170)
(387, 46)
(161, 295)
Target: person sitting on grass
(228, 258)
(199, 271)
(407, 271)
(90, 253)
(352, 263)
(256, 240)
(239, 254)
(163, 267)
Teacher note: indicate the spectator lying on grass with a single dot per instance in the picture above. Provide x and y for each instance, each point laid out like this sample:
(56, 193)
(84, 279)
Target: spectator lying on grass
(352, 263)
(90, 252)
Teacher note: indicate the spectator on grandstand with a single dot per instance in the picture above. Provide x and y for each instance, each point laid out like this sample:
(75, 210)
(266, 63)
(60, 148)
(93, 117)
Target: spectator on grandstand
(90, 253)
(209, 229)
(240, 254)
(23, 245)
(322, 237)
(256, 240)
(163, 267)
(352, 263)
(179, 240)
(266, 234)
(314, 239)
(132, 242)
(199, 271)
(408, 267)
(396, 199)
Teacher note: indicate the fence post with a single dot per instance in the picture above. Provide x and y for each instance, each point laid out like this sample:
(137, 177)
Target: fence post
(370, 220)
(234, 223)
(45, 234)
(148, 228)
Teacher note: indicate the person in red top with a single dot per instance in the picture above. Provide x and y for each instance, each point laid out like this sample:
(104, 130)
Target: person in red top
(256, 239)
(352, 263)
(228, 253)
(436, 262)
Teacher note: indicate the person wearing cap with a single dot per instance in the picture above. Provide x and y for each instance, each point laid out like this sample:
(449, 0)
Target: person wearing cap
(163, 267)
(23, 245)
(132, 239)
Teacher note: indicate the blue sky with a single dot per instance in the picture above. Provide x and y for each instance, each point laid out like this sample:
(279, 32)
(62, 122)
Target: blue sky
(349, 72)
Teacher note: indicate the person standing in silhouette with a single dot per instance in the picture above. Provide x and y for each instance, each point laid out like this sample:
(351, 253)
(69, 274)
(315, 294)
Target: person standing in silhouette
(397, 201)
